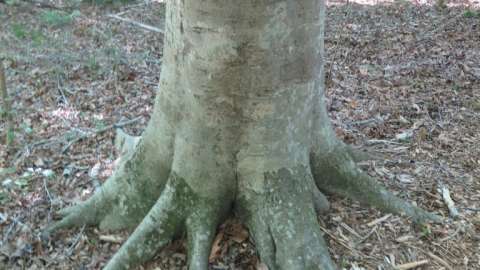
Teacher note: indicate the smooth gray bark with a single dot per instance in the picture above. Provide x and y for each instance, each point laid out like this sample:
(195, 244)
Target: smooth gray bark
(239, 126)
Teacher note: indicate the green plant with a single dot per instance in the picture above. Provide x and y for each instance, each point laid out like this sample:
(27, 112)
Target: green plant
(19, 31)
(4, 197)
(55, 18)
(425, 230)
(471, 13)
(93, 65)
(10, 136)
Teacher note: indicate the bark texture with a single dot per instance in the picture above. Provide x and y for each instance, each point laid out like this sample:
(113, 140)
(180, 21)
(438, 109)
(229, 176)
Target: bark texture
(239, 126)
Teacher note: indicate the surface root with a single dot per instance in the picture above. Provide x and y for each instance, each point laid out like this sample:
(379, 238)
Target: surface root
(157, 229)
(200, 232)
(336, 172)
(284, 224)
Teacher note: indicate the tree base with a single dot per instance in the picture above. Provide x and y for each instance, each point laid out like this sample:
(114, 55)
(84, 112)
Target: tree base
(281, 215)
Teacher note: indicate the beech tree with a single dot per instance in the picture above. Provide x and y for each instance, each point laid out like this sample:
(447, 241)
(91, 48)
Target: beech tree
(239, 127)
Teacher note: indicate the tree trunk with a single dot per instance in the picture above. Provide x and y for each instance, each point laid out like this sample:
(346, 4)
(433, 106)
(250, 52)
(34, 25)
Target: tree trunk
(239, 126)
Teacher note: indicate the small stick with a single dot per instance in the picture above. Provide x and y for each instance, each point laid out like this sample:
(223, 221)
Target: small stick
(350, 230)
(111, 238)
(378, 220)
(411, 265)
(336, 239)
(71, 248)
(7, 106)
(144, 26)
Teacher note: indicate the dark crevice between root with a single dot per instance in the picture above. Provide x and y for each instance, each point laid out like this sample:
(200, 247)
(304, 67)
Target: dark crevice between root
(272, 241)
(336, 172)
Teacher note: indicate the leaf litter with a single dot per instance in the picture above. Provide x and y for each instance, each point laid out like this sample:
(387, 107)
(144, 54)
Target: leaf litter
(403, 80)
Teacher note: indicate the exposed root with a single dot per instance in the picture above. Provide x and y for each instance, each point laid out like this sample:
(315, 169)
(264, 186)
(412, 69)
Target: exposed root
(336, 172)
(127, 196)
(86, 213)
(201, 229)
(177, 207)
(260, 232)
(283, 223)
(159, 226)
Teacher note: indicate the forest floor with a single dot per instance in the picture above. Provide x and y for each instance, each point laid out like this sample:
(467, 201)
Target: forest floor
(403, 80)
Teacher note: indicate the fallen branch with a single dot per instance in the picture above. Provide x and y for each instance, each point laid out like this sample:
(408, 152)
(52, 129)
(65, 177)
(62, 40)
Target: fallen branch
(144, 26)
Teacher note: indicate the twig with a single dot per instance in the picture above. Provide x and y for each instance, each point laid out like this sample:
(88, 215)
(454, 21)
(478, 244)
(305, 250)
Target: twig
(378, 220)
(439, 260)
(100, 131)
(46, 191)
(350, 230)
(366, 236)
(411, 265)
(111, 238)
(7, 106)
(336, 239)
(75, 242)
(49, 196)
(59, 87)
(452, 235)
(144, 26)
(375, 141)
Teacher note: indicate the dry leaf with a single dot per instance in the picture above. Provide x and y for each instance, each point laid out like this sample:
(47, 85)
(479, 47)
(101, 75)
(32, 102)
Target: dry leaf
(238, 233)
(216, 247)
